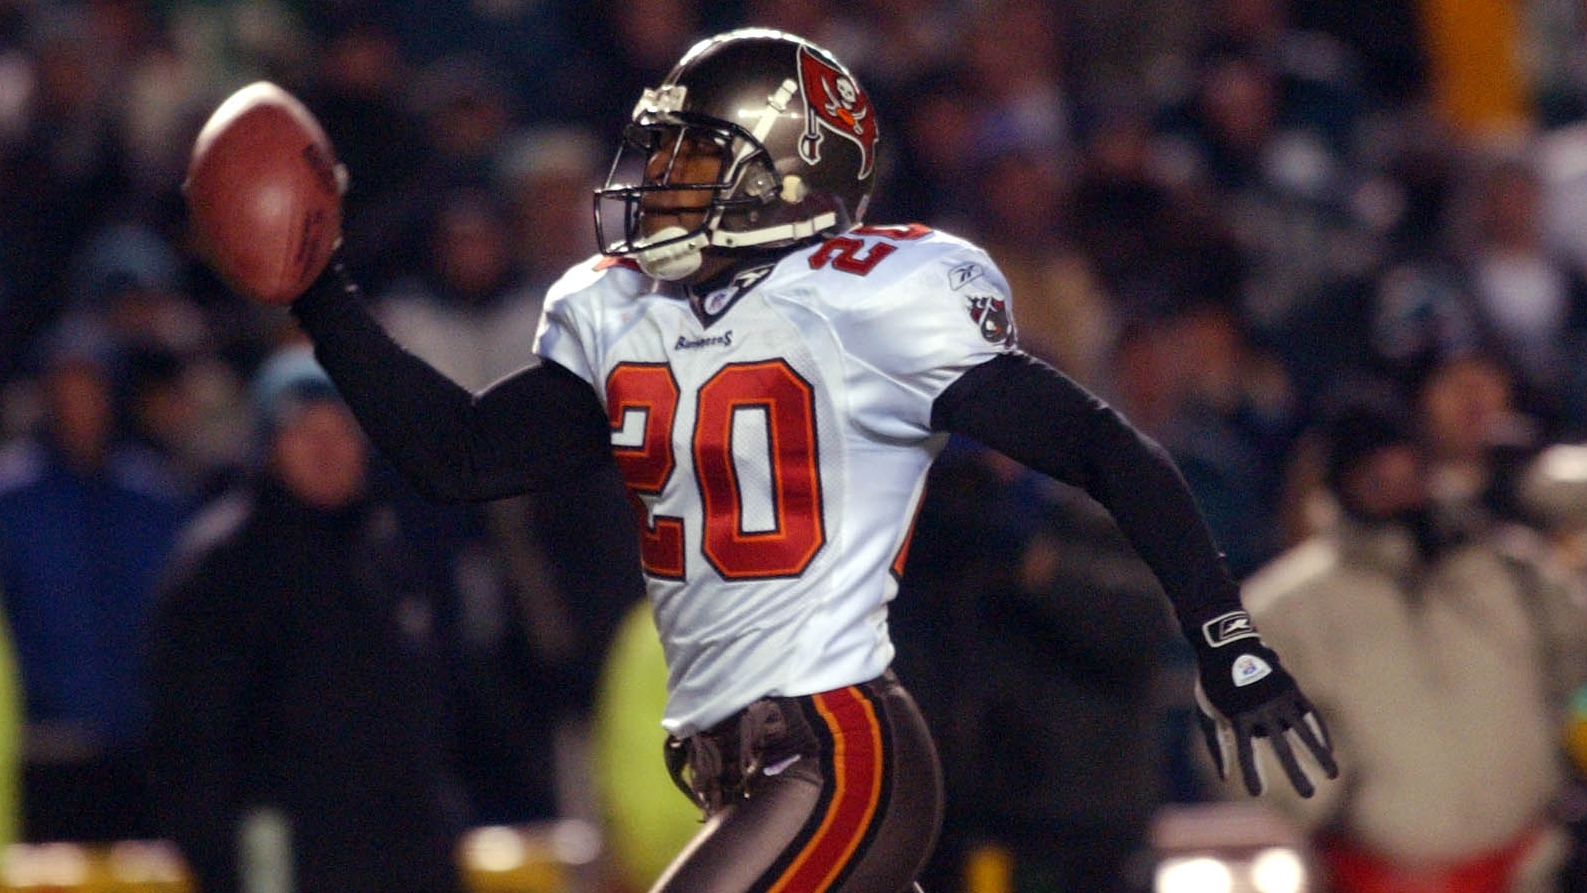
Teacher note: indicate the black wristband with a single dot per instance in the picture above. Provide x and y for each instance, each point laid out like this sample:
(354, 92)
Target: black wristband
(1238, 671)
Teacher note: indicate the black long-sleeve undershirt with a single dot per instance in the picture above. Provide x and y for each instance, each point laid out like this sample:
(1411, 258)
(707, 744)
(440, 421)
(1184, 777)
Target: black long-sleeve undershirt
(545, 424)
(1036, 415)
(532, 429)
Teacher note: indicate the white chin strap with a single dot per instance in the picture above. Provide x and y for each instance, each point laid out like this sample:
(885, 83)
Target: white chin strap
(673, 261)
(676, 260)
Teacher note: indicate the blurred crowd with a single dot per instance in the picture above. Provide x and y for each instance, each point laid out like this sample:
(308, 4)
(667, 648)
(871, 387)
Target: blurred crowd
(1224, 216)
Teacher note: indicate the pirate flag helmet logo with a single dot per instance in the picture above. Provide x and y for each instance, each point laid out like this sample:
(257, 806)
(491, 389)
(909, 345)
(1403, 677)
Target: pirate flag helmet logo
(835, 103)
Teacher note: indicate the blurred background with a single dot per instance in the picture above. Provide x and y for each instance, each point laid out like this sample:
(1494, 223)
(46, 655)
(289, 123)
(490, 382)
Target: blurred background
(1212, 212)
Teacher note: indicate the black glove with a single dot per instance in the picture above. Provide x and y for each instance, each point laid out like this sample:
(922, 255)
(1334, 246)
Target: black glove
(1242, 694)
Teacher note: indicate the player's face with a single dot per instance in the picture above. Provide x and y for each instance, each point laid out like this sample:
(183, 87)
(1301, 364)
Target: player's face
(680, 158)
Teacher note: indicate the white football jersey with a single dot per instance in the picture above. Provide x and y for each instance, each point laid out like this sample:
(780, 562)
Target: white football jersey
(775, 444)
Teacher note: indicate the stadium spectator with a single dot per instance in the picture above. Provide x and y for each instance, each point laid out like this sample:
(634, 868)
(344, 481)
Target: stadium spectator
(303, 720)
(465, 307)
(1527, 297)
(462, 110)
(86, 522)
(1013, 54)
(1233, 427)
(1443, 649)
(60, 172)
(544, 175)
(179, 393)
(357, 90)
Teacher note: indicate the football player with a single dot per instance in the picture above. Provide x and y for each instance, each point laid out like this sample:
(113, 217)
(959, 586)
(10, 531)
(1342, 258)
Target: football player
(771, 377)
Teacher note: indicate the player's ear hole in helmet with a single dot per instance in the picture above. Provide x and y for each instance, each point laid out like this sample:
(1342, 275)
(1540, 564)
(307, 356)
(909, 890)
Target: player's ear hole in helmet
(791, 138)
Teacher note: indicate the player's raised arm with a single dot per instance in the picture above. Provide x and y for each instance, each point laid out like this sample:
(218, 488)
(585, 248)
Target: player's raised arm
(264, 193)
(539, 426)
(1034, 414)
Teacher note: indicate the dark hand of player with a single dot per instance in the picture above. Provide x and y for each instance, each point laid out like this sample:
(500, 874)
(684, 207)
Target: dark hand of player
(1244, 696)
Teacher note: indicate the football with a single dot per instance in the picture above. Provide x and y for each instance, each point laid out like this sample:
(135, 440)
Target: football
(264, 194)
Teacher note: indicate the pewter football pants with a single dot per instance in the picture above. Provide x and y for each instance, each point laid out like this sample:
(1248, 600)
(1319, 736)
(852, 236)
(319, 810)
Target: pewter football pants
(839, 791)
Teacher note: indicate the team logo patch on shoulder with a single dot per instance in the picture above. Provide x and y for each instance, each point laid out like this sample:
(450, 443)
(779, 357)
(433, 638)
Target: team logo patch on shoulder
(834, 102)
(990, 314)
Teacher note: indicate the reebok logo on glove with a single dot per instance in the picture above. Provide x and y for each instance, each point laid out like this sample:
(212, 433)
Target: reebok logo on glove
(1248, 668)
(1226, 628)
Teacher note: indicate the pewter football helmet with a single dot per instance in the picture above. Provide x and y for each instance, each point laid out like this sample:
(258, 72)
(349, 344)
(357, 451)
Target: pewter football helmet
(796, 133)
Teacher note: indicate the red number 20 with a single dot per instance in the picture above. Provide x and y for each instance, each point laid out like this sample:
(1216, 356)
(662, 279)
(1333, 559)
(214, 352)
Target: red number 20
(852, 254)
(770, 391)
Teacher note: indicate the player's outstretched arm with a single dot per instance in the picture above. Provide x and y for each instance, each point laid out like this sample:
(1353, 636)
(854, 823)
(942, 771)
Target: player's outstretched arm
(1033, 413)
(264, 196)
(539, 426)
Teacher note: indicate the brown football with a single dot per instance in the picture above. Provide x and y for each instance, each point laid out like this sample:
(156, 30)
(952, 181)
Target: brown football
(264, 194)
